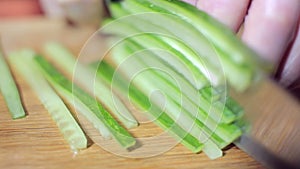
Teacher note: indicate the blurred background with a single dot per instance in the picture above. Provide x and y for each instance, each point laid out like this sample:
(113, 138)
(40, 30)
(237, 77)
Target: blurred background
(20, 8)
(78, 12)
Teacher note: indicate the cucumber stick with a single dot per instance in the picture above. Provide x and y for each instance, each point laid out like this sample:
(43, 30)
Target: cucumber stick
(174, 50)
(85, 77)
(228, 133)
(106, 72)
(188, 65)
(24, 63)
(84, 110)
(169, 40)
(151, 78)
(10, 91)
(163, 120)
(189, 94)
(120, 134)
(212, 41)
(180, 115)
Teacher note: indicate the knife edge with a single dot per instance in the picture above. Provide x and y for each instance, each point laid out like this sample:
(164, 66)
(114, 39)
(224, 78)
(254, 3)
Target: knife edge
(274, 117)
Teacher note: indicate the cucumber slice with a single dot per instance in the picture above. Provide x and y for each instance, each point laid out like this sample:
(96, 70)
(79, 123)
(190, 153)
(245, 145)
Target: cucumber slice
(86, 78)
(121, 135)
(23, 61)
(10, 91)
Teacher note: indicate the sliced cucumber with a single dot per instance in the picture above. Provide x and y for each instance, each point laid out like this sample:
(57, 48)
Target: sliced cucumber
(121, 135)
(24, 63)
(10, 91)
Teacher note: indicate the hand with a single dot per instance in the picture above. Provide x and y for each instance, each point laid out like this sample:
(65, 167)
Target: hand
(270, 27)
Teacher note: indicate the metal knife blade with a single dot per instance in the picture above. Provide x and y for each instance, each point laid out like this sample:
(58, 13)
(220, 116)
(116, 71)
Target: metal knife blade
(274, 116)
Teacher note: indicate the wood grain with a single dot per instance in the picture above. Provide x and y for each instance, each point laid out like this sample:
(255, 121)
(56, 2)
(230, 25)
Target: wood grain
(35, 142)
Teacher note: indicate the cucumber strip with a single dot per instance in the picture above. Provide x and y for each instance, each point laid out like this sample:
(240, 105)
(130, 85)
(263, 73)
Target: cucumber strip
(127, 29)
(201, 115)
(10, 91)
(86, 78)
(186, 89)
(179, 62)
(186, 139)
(84, 110)
(172, 108)
(176, 60)
(218, 33)
(232, 49)
(189, 94)
(107, 73)
(160, 27)
(149, 60)
(23, 62)
(226, 133)
(163, 120)
(195, 44)
(121, 135)
(175, 46)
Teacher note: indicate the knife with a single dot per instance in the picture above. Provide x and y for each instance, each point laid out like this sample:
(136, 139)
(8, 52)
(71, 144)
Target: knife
(274, 117)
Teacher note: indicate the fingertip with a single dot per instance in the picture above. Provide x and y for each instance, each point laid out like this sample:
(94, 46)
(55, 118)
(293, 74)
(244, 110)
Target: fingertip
(269, 27)
(291, 69)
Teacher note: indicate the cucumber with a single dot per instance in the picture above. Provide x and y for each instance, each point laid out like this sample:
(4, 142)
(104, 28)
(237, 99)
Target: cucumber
(10, 91)
(85, 77)
(25, 65)
(121, 135)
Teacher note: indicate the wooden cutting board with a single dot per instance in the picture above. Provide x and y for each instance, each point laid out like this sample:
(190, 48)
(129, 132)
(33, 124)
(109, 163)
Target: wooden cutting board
(35, 141)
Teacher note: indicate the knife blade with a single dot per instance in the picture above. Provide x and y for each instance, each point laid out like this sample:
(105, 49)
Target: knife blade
(274, 117)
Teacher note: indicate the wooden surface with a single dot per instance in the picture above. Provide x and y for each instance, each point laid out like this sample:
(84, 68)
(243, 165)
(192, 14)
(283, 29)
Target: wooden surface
(35, 142)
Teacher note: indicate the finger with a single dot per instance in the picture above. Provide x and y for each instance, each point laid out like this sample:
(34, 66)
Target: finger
(229, 12)
(270, 25)
(291, 70)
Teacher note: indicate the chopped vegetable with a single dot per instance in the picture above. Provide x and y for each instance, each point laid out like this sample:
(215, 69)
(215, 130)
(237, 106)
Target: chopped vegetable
(216, 44)
(189, 95)
(198, 130)
(10, 91)
(24, 63)
(86, 78)
(173, 46)
(162, 119)
(121, 135)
